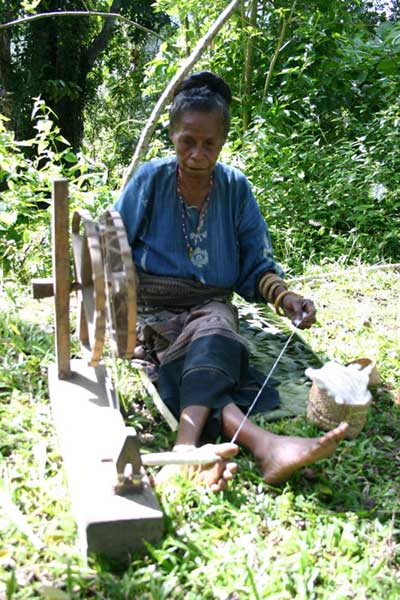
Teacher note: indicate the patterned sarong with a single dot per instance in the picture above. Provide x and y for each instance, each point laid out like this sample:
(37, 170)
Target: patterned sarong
(192, 335)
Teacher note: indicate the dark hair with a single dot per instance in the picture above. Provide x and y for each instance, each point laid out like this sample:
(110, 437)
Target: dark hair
(203, 92)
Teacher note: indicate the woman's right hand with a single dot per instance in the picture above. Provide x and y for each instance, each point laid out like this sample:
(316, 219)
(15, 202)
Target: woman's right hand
(301, 311)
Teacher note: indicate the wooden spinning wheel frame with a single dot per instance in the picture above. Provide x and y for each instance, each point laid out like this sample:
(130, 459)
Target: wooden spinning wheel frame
(105, 274)
(120, 280)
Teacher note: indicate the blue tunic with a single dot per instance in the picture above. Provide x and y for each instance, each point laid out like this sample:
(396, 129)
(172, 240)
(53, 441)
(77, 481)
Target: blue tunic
(231, 250)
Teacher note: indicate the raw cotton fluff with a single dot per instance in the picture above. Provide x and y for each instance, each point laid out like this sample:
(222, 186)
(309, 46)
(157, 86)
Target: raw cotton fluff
(346, 385)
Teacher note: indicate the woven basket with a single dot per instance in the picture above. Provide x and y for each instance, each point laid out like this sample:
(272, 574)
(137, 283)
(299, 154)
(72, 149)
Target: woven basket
(374, 377)
(327, 414)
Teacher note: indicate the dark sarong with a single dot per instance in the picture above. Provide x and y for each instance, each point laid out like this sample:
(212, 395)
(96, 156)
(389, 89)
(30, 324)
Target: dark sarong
(202, 360)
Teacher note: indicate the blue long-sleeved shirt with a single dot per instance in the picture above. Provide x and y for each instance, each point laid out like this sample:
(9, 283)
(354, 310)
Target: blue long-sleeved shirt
(231, 250)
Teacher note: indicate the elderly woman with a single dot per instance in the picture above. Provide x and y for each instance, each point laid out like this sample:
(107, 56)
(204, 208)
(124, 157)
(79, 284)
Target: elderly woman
(197, 236)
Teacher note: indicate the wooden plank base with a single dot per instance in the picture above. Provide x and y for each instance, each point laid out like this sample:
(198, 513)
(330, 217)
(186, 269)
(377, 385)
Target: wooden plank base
(91, 433)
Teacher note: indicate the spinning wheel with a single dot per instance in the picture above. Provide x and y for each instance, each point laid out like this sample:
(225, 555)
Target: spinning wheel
(105, 273)
(89, 273)
(120, 284)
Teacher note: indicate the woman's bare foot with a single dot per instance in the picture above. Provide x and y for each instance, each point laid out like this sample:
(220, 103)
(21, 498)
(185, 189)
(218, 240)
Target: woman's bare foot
(280, 456)
(213, 476)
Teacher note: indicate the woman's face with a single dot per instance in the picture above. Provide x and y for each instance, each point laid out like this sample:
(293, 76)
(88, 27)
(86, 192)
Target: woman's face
(198, 139)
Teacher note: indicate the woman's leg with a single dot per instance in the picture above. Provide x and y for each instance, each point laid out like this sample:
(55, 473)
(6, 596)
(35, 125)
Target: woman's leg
(191, 425)
(279, 456)
(215, 476)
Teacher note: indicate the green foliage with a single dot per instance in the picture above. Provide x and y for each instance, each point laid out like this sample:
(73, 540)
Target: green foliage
(326, 199)
(26, 185)
(120, 96)
(322, 147)
(58, 58)
(322, 152)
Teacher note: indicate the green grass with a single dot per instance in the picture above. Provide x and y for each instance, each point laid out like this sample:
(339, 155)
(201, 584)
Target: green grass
(332, 533)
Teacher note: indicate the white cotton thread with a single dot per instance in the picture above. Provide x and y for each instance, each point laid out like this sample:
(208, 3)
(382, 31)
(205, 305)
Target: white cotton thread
(296, 323)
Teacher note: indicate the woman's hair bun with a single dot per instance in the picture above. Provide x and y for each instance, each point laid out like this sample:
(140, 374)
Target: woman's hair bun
(205, 79)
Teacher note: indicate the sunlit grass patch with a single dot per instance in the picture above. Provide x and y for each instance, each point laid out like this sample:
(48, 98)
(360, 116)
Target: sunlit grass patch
(332, 532)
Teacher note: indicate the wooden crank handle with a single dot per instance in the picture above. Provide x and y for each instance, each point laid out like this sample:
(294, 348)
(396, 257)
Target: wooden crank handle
(198, 456)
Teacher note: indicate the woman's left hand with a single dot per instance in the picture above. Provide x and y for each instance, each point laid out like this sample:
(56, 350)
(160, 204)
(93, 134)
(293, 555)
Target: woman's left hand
(299, 310)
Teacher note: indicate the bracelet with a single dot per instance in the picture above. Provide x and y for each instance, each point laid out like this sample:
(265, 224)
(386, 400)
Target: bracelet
(278, 302)
(272, 289)
(265, 283)
(268, 283)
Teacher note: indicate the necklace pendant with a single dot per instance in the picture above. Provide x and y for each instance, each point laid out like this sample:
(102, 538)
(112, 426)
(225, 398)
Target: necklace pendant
(190, 252)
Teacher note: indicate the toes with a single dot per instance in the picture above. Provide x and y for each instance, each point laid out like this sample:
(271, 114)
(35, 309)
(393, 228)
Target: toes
(214, 476)
(218, 486)
(226, 450)
(229, 471)
(227, 475)
(343, 427)
(335, 435)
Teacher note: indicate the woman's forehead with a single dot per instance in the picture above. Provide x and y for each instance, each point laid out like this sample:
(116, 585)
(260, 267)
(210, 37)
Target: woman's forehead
(207, 123)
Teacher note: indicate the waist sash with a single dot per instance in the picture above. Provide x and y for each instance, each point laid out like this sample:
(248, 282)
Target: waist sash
(155, 290)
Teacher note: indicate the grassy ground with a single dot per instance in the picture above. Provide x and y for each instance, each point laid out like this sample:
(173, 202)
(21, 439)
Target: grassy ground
(333, 532)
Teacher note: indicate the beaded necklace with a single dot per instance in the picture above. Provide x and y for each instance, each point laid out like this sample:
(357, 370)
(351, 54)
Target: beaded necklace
(203, 211)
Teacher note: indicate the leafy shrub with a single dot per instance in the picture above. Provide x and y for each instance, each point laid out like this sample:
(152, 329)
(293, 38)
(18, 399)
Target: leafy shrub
(26, 174)
(326, 200)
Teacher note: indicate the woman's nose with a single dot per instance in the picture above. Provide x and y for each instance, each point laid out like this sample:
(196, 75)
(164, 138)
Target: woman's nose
(197, 151)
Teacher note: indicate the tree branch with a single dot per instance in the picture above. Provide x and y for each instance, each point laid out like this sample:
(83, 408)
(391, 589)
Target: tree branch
(80, 13)
(285, 23)
(102, 39)
(165, 96)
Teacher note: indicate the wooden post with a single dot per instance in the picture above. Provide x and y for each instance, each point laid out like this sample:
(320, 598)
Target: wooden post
(61, 275)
